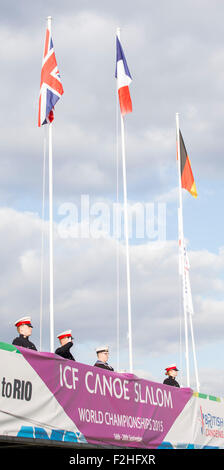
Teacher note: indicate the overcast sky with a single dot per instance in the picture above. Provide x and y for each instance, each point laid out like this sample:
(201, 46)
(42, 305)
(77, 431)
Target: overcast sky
(175, 53)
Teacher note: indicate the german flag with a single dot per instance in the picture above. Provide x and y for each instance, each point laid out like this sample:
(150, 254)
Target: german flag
(187, 178)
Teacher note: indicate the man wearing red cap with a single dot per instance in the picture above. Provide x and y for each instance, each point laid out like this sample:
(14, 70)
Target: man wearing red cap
(65, 339)
(171, 371)
(24, 328)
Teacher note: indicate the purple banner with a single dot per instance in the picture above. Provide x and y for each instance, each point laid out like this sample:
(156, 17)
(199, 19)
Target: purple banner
(110, 408)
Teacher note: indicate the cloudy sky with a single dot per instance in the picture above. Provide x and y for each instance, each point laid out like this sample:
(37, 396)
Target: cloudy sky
(175, 52)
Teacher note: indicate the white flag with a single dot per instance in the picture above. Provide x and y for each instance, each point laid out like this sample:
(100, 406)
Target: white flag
(184, 268)
(187, 285)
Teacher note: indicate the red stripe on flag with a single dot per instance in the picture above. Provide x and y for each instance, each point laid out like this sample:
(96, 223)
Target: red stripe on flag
(125, 100)
(46, 76)
(187, 178)
(46, 42)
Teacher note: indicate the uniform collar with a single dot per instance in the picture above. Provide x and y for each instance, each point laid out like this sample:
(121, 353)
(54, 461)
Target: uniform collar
(23, 336)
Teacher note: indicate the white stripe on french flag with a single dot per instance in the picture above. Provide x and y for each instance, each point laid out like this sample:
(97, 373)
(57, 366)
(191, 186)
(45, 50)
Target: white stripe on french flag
(124, 79)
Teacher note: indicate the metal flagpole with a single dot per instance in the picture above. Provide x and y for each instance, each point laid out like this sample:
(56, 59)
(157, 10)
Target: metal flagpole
(126, 237)
(117, 243)
(42, 240)
(194, 354)
(180, 299)
(51, 267)
(180, 213)
(127, 245)
(190, 311)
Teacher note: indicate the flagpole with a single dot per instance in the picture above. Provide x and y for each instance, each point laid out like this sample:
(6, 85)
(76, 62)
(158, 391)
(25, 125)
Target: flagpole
(190, 311)
(126, 236)
(194, 355)
(117, 242)
(180, 213)
(42, 240)
(51, 266)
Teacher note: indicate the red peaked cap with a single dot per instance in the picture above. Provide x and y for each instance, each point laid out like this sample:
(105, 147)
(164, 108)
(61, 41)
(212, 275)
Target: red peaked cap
(171, 367)
(65, 334)
(24, 321)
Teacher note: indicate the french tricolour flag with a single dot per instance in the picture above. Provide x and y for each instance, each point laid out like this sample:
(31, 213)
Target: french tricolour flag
(124, 79)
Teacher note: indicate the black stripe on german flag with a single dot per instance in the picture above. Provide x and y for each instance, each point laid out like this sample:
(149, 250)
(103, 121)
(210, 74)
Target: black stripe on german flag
(187, 178)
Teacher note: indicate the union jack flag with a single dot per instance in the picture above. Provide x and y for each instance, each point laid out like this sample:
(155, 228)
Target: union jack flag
(51, 88)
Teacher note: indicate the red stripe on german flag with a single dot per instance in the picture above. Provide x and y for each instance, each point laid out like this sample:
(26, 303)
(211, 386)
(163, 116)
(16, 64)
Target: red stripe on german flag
(187, 178)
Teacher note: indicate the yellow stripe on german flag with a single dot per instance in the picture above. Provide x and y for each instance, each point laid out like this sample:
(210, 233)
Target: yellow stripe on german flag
(187, 178)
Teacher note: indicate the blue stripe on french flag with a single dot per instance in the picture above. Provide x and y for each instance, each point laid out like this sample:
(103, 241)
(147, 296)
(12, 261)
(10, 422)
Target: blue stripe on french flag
(124, 79)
